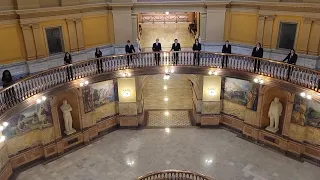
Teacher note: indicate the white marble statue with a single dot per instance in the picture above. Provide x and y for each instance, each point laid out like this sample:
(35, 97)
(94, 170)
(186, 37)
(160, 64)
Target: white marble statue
(275, 111)
(66, 109)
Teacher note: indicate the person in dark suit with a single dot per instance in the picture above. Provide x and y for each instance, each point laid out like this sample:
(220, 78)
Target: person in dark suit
(257, 52)
(129, 50)
(197, 48)
(291, 59)
(176, 47)
(9, 93)
(98, 54)
(226, 48)
(68, 60)
(156, 47)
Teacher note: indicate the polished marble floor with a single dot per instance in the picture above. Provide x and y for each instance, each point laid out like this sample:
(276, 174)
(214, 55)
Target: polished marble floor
(126, 154)
(166, 34)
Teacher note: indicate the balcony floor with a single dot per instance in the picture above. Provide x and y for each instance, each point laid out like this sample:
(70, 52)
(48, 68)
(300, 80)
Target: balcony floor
(214, 152)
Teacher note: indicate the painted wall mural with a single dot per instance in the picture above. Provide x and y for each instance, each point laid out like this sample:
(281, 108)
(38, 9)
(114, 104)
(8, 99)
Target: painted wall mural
(98, 94)
(241, 92)
(306, 112)
(37, 116)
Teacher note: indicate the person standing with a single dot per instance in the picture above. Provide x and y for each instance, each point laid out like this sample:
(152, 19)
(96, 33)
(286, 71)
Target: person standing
(257, 52)
(196, 56)
(67, 61)
(176, 47)
(9, 94)
(98, 54)
(226, 48)
(291, 59)
(156, 48)
(129, 50)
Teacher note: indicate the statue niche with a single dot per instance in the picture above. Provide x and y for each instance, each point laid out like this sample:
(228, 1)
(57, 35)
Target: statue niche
(274, 113)
(66, 109)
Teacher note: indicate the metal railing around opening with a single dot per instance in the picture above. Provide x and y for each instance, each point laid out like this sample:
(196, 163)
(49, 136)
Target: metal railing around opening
(45, 80)
(174, 175)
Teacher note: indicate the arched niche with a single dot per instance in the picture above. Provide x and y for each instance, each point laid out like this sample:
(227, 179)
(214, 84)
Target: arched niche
(270, 92)
(71, 96)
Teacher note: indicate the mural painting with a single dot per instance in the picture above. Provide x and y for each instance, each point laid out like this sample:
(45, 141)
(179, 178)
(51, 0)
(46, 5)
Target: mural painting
(37, 116)
(98, 94)
(241, 92)
(306, 112)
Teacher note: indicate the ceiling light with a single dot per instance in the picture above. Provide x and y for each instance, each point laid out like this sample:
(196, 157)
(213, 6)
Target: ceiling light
(167, 13)
(166, 113)
(38, 101)
(166, 99)
(5, 124)
(303, 94)
(1, 128)
(166, 77)
(126, 74)
(86, 82)
(309, 96)
(81, 84)
(208, 161)
(256, 80)
(261, 81)
(43, 98)
(130, 163)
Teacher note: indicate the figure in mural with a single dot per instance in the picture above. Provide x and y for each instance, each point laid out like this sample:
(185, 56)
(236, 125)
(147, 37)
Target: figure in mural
(275, 111)
(253, 99)
(66, 109)
(43, 116)
(299, 111)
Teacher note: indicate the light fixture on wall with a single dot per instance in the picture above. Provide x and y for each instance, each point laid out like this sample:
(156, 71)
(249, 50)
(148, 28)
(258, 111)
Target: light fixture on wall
(5, 124)
(126, 74)
(2, 127)
(258, 80)
(42, 99)
(85, 83)
(167, 13)
(167, 130)
(130, 162)
(166, 77)
(169, 70)
(213, 73)
(165, 87)
(166, 99)
(126, 93)
(212, 92)
(305, 95)
(166, 113)
(2, 138)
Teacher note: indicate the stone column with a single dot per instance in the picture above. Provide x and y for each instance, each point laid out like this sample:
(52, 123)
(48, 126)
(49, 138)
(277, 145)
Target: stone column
(134, 28)
(203, 28)
(267, 33)
(215, 23)
(304, 34)
(261, 21)
(314, 46)
(72, 35)
(40, 47)
(29, 41)
(79, 30)
(287, 116)
(122, 22)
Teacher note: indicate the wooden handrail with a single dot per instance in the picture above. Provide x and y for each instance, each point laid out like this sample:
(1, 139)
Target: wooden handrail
(174, 175)
(44, 80)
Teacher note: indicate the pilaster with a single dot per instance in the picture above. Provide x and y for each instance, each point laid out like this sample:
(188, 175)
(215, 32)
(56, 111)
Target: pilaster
(267, 33)
(203, 24)
(72, 35)
(260, 29)
(304, 34)
(29, 41)
(79, 30)
(38, 41)
(134, 27)
(55, 117)
(288, 115)
(314, 39)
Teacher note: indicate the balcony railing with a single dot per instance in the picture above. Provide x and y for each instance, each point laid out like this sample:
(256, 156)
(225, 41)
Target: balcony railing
(174, 175)
(32, 85)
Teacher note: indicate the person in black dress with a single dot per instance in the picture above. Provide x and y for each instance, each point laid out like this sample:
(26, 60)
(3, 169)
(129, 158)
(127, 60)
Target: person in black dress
(68, 60)
(291, 59)
(129, 50)
(257, 52)
(7, 81)
(226, 48)
(98, 54)
(156, 48)
(176, 47)
(197, 48)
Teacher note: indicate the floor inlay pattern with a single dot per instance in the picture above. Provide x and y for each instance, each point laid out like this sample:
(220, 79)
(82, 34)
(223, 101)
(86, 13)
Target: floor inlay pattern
(218, 153)
(168, 118)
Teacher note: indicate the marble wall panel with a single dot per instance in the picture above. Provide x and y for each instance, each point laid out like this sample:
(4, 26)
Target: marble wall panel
(211, 107)
(234, 109)
(99, 113)
(297, 132)
(313, 135)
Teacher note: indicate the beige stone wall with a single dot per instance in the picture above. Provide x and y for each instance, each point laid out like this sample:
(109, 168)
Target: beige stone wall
(179, 92)
(3, 156)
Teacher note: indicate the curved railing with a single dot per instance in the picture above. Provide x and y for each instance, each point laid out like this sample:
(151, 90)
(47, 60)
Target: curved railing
(174, 175)
(45, 80)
